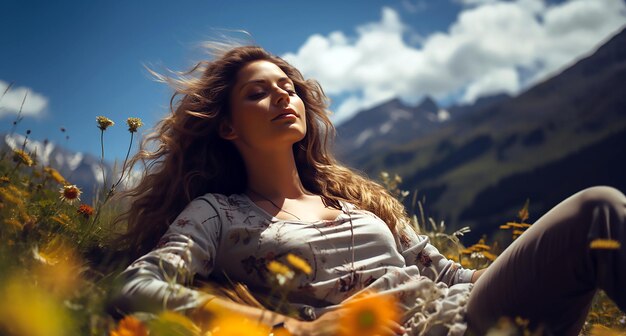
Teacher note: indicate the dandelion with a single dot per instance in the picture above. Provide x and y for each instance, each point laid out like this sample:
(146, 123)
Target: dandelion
(605, 244)
(21, 157)
(134, 124)
(368, 314)
(85, 210)
(299, 263)
(130, 326)
(55, 175)
(104, 122)
(70, 193)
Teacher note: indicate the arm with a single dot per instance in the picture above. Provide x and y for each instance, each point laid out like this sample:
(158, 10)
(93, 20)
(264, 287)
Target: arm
(477, 274)
(417, 250)
(157, 280)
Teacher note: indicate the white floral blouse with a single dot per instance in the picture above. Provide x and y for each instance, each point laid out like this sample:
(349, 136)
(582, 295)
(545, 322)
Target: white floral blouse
(355, 251)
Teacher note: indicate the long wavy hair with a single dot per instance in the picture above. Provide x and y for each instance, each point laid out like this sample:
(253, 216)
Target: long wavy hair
(189, 158)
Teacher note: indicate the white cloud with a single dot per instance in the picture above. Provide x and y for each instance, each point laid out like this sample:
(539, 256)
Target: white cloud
(11, 101)
(483, 52)
(496, 81)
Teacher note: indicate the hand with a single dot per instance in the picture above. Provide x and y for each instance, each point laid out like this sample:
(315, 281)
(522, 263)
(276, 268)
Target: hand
(329, 325)
(476, 275)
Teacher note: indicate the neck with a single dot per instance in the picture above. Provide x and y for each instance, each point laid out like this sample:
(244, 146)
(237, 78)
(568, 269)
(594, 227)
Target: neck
(274, 174)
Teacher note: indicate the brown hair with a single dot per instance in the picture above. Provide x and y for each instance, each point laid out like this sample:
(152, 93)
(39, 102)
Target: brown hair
(191, 159)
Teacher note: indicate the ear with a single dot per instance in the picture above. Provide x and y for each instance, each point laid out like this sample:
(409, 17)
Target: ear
(226, 131)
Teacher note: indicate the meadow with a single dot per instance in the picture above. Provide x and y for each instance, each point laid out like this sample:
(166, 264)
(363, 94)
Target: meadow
(58, 260)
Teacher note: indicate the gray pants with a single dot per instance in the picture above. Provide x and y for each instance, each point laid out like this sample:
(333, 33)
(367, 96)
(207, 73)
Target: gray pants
(549, 275)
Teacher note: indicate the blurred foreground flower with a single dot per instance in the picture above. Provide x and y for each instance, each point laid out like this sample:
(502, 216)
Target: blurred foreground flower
(299, 263)
(104, 122)
(70, 193)
(368, 314)
(130, 326)
(280, 271)
(21, 157)
(134, 124)
(232, 324)
(28, 310)
(171, 323)
(59, 269)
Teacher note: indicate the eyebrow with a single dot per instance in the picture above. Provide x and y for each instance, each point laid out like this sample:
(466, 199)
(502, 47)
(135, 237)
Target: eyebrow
(263, 81)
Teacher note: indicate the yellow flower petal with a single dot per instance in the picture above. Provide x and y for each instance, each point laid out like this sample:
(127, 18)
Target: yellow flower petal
(605, 244)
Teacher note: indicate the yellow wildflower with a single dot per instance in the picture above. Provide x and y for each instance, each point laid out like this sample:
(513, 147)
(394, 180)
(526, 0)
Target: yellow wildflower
(299, 263)
(5, 179)
(62, 219)
(134, 124)
(130, 326)
(55, 175)
(605, 244)
(22, 157)
(518, 225)
(233, 324)
(600, 330)
(14, 222)
(104, 122)
(489, 255)
(70, 193)
(278, 268)
(523, 213)
(480, 246)
(368, 314)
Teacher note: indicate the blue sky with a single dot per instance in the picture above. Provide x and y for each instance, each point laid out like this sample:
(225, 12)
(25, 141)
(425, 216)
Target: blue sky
(81, 59)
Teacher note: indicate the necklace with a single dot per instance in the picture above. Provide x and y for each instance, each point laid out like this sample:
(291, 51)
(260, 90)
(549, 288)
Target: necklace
(274, 204)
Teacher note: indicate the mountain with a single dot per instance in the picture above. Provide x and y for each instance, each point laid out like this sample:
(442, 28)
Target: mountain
(83, 170)
(387, 124)
(479, 166)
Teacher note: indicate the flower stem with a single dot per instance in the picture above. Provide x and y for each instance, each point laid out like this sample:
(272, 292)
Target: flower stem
(104, 180)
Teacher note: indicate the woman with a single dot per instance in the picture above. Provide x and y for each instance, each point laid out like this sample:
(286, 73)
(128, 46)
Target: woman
(243, 176)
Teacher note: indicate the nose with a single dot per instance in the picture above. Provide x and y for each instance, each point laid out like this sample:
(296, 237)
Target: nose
(281, 97)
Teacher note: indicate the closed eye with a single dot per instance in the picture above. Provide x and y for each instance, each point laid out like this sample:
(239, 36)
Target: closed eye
(256, 95)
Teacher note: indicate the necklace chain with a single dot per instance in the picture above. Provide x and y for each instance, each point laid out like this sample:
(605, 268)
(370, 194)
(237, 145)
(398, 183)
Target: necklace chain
(274, 204)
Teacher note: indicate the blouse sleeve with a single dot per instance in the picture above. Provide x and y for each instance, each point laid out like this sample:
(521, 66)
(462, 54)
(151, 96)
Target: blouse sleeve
(158, 279)
(417, 250)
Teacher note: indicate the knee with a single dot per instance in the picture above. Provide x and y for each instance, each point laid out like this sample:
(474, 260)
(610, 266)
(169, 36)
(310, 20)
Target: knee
(602, 195)
(605, 197)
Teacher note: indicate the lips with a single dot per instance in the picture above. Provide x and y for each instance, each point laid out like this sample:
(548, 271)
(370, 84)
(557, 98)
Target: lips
(286, 113)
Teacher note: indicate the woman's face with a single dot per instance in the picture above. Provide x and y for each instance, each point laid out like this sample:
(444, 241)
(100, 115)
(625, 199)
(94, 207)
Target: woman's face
(266, 112)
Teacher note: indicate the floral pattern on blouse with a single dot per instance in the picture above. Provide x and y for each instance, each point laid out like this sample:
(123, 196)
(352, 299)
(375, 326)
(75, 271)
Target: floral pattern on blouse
(232, 235)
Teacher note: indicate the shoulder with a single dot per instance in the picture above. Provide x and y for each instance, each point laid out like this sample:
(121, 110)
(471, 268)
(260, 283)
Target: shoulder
(225, 207)
(221, 201)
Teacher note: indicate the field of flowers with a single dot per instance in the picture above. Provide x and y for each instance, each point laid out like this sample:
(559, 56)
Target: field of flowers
(58, 265)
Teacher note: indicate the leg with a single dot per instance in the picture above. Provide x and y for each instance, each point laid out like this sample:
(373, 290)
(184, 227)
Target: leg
(549, 274)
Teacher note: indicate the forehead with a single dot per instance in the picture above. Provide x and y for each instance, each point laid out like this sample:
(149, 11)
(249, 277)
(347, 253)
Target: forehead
(258, 70)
